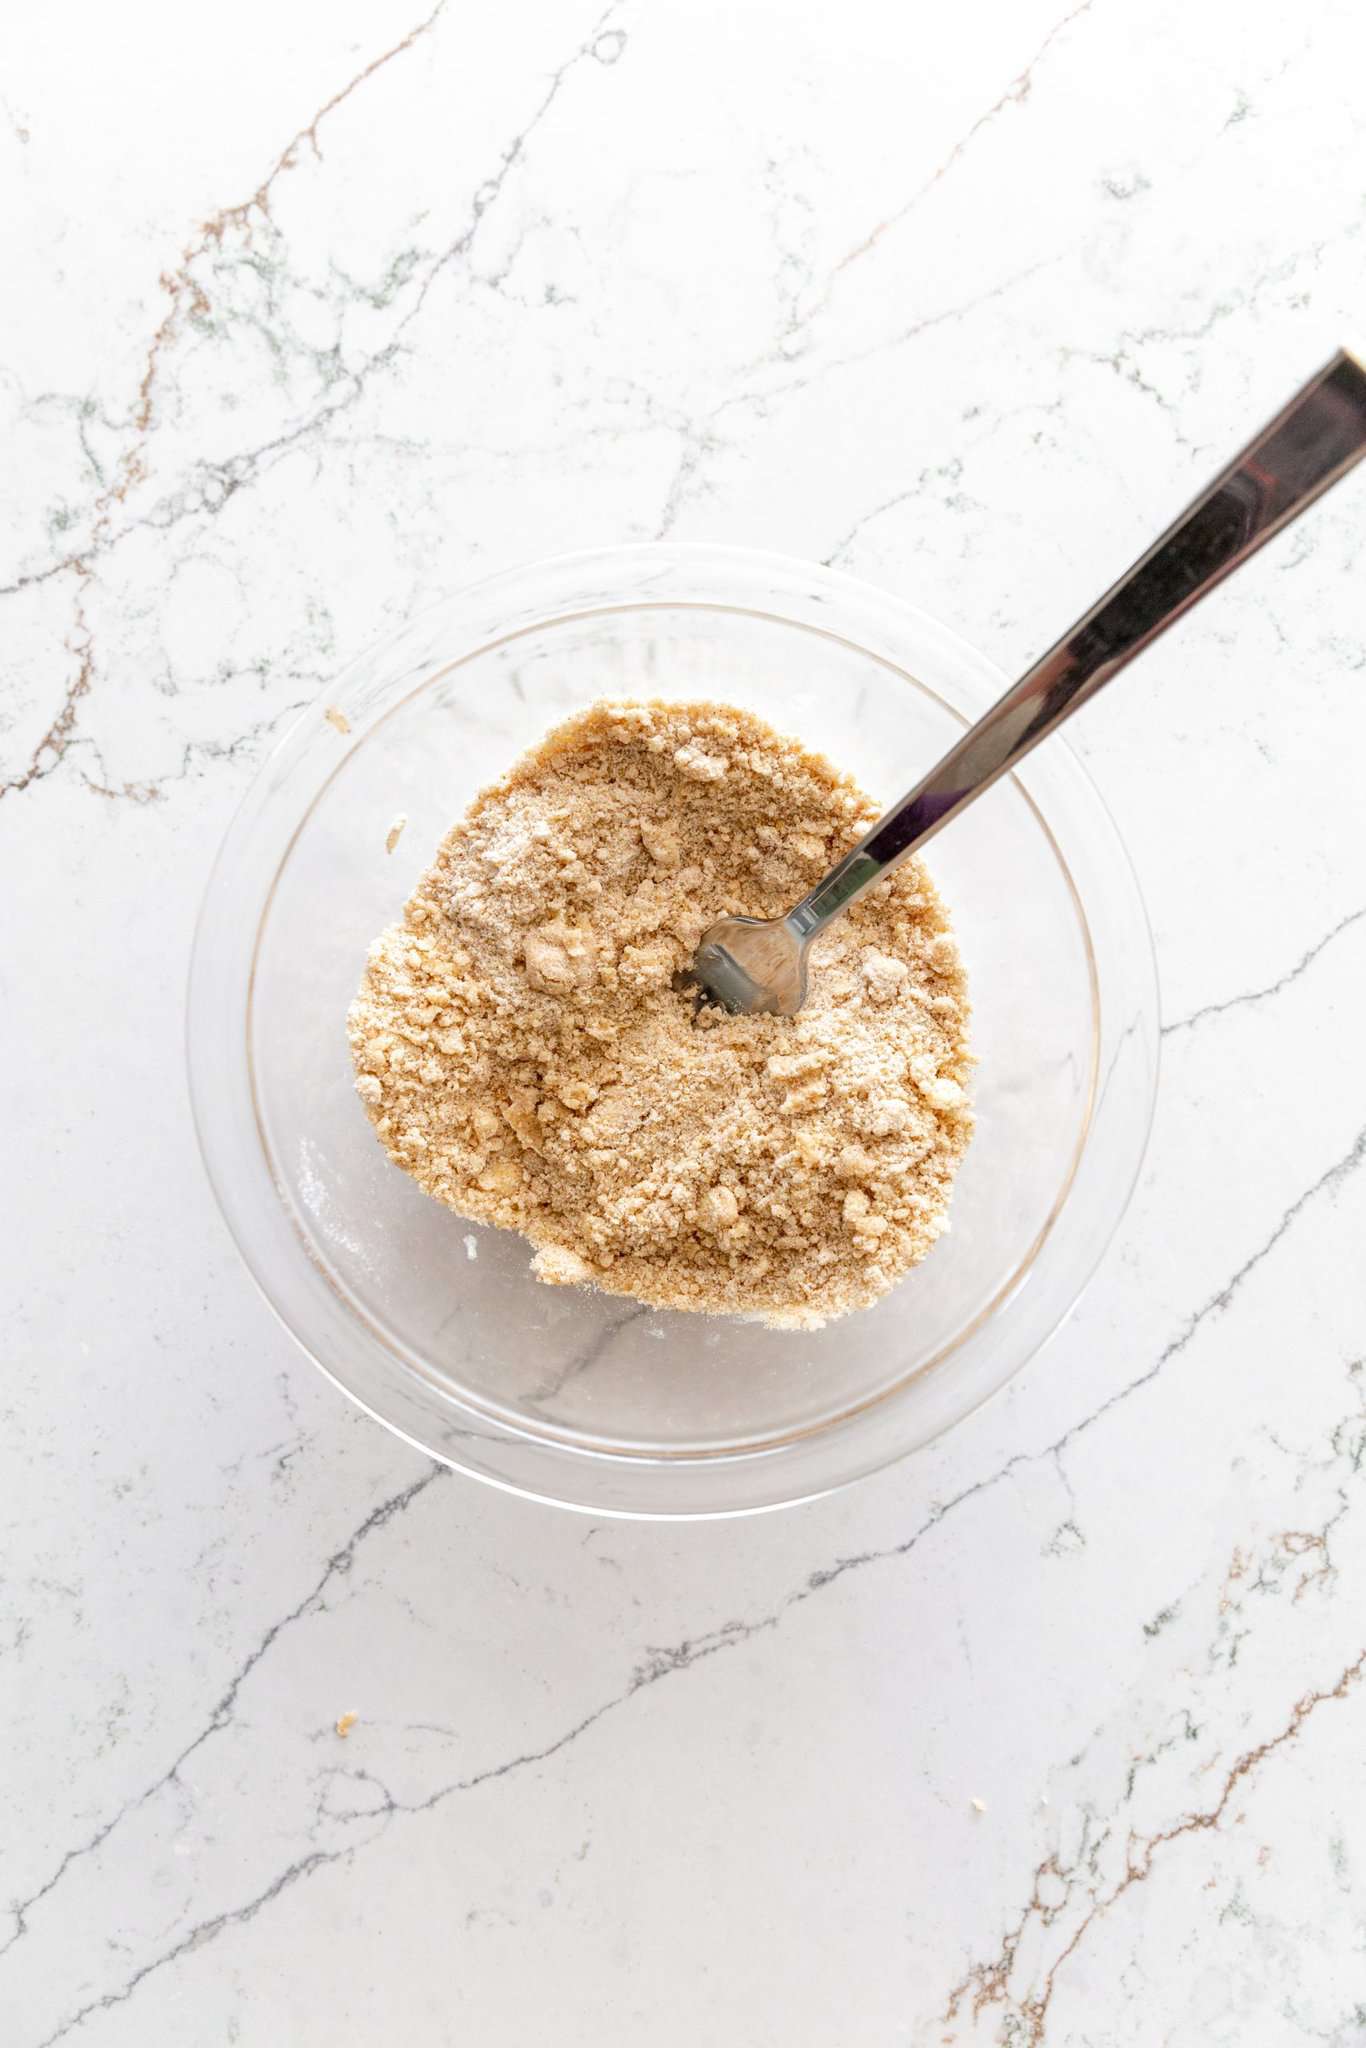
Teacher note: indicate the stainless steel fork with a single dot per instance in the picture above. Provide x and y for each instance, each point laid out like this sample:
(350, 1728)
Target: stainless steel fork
(753, 964)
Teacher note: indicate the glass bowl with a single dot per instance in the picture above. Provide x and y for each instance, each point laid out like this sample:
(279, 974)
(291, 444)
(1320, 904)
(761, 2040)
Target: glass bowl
(435, 1325)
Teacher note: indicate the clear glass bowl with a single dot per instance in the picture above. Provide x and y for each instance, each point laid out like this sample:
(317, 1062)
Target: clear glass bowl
(435, 1325)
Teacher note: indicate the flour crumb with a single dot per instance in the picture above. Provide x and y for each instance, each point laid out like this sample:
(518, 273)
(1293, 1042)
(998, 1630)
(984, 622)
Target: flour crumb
(560, 1267)
(346, 1722)
(395, 832)
(523, 1053)
(338, 720)
(471, 1245)
(979, 1805)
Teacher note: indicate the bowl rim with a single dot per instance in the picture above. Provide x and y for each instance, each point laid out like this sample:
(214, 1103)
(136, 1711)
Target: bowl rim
(632, 575)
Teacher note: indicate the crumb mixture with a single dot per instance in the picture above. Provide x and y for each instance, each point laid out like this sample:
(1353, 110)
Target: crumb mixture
(521, 1050)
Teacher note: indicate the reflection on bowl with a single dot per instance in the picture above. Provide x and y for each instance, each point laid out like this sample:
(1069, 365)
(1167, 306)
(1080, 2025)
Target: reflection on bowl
(438, 1327)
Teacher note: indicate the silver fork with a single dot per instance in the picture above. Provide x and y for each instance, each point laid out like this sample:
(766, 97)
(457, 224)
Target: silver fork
(751, 964)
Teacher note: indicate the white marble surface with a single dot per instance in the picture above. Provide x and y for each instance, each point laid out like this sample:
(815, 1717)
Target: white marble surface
(312, 314)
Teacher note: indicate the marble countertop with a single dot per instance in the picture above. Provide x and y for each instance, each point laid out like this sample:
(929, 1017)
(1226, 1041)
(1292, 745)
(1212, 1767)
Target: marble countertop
(1051, 1735)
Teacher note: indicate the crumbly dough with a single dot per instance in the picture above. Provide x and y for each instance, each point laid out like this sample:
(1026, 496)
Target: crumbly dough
(521, 1050)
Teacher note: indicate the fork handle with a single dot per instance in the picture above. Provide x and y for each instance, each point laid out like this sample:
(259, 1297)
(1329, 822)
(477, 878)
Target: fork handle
(1307, 447)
